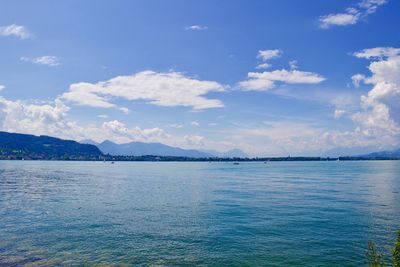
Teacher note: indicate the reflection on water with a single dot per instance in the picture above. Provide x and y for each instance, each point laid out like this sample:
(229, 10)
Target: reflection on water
(275, 214)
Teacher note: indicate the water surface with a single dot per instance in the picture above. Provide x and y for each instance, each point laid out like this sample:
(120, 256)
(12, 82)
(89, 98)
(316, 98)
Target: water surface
(207, 214)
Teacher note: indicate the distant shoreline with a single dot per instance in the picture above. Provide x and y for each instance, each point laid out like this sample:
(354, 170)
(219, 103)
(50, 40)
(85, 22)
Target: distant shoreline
(152, 158)
(15, 146)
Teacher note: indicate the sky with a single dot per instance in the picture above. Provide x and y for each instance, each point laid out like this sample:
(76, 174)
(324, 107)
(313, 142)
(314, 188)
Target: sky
(272, 78)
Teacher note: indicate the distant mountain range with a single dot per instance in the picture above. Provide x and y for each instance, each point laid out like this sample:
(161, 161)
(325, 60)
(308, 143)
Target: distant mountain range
(158, 149)
(14, 146)
(383, 154)
(142, 149)
(26, 146)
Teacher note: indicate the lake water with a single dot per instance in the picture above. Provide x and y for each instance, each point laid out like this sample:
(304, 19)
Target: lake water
(207, 214)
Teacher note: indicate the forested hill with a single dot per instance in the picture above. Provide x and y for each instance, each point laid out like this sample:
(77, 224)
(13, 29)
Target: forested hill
(26, 146)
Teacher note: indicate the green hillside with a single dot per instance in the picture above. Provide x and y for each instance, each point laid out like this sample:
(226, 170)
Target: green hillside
(14, 146)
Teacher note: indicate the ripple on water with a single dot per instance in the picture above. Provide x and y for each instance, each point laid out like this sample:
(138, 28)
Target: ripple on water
(185, 214)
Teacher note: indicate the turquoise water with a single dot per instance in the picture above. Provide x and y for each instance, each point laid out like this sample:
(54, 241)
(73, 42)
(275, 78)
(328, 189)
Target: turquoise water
(207, 214)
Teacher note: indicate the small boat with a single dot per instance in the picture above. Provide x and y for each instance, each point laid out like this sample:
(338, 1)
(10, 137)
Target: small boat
(236, 163)
(112, 162)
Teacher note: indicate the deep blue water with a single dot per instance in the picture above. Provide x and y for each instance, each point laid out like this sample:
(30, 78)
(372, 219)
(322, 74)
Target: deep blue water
(208, 214)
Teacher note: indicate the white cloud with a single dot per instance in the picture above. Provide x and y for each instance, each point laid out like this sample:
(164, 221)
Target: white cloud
(370, 6)
(282, 138)
(344, 104)
(169, 89)
(263, 66)
(52, 119)
(175, 125)
(279, 138)
(357, 79)
(195, 123)
(85, 94)
(261, 81)
(379, 117)
(43, 60)
(2, 87)
(339, 113)
(196, 28)
(340, 19)
(377, 53)
(18, 116)
(269, 54)
(118, 132)
(376, 119)
(15, 30)
(125, 110)
(103, 116)
(352, 15)
(194, 140)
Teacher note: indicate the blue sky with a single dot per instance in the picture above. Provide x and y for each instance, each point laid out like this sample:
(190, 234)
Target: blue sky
(269, 77)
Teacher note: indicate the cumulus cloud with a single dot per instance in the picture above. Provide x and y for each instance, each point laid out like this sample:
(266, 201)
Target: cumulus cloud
(15, 30)
(269, 54)
(19, 116)
(52, 119)
(376, 115)
(2, 87)
(169, 89)
(196, 28)
(43, 60)
(195, 123)
(352, 15)
(262, 81)
(380, 113)
(119, 132)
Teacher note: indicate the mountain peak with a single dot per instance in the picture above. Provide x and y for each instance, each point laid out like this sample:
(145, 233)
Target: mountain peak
(107, 142)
